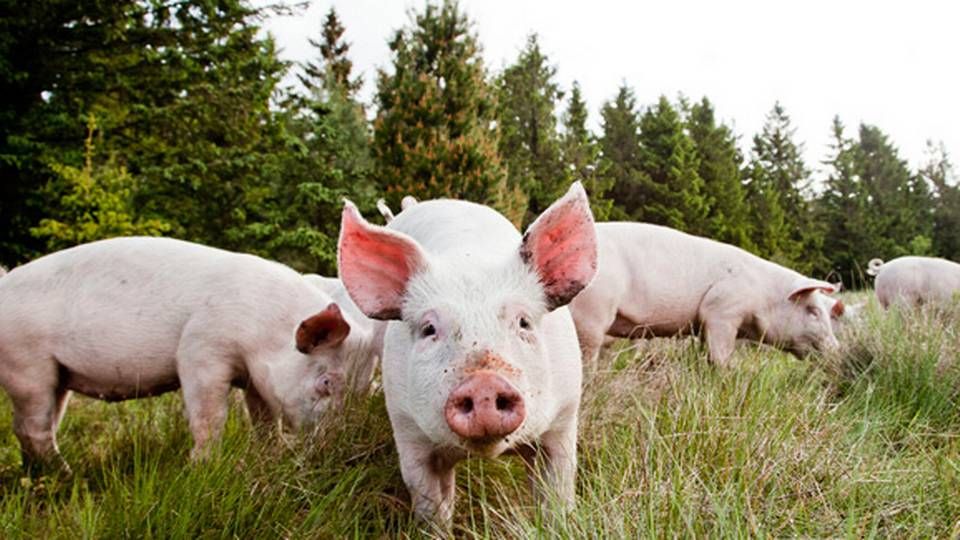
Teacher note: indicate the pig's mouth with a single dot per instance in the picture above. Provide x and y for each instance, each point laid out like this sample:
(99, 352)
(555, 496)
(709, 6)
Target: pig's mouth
(489, 447)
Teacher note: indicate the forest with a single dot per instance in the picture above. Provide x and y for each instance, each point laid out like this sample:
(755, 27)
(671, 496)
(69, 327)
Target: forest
(173, 118)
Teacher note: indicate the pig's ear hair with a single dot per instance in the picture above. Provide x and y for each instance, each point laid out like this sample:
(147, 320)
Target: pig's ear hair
(837, 310)
(806, 286)
(561, 247)
(324, 329)
(376, 264)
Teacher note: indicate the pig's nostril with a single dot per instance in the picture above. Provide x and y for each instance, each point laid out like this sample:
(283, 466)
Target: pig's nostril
(466, 406)
(504, 403)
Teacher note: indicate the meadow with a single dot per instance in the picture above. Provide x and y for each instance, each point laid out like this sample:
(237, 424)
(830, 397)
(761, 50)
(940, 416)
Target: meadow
(862, 443)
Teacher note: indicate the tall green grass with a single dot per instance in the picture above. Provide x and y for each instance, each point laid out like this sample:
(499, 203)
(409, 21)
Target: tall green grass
(864, 443)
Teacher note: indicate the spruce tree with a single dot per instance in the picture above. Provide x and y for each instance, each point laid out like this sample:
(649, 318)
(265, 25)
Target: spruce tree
(851, 235)
(581, 155)
(334, 62)
(939, 172)
(620, 153)
(671, 188)
(529, 141)
(435, 133)
(899, 201)
(720, 163)
(778, 177)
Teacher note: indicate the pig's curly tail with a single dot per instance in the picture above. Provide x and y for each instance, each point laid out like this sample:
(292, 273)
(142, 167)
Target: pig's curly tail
(873, 267)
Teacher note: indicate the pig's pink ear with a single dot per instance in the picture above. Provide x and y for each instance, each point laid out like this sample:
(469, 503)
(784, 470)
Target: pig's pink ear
(561, 246)
(807, 286)
(376, 264)
(837, 310)
(325, 329)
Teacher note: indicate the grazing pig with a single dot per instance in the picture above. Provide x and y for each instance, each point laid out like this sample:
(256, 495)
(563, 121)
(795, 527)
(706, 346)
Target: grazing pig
(656, 281)
(480, 356)
(135, 317)
(367, 333)
(914, 281)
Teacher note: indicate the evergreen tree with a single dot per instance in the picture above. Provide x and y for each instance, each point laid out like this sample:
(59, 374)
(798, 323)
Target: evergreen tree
(326, 157)
(671, 188)
(333, 62)
(620, 153)
(720, 163)
(851, 235)
(778, 180)
(938, 171)
(529, 141)
(435, 134)
(899, 201)
(581, 155)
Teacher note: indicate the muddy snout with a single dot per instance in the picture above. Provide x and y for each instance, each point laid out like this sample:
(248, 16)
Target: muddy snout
(484, 407)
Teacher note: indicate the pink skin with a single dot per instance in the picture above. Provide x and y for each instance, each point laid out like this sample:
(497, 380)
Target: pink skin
(480, 356)
(133, 317)
(656, 281)
(915, 281)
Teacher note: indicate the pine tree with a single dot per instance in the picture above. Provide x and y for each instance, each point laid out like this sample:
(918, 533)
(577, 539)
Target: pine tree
(901, 202)
(326, 158)
(529, 141)
(435, 133)
(581, 155)
(779, 178)
(851, 236)
(939, 172)
(671, 188)
(620, 153)
(720, 163)
(334, 62)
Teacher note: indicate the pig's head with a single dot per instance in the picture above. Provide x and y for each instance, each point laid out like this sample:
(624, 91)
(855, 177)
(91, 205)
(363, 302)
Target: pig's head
(312, 375)
(802, 321)
(472, 338)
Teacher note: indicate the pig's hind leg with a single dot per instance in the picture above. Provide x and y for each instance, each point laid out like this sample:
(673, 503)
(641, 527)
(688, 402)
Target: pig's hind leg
(36, 395)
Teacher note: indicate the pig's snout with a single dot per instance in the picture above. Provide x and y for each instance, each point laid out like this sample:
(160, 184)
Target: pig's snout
(484, 407)
(328, 385)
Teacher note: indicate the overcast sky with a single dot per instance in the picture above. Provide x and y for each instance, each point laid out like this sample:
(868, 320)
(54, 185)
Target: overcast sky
(891, 64)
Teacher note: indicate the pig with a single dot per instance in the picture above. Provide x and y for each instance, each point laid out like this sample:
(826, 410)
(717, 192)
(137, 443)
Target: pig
(372, 331)
(914, 281)
(480, 355)
(135, 317)
(656, 281)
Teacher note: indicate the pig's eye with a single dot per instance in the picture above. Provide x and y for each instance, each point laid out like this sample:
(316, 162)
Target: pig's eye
(427, 331)
(525, 323)
(813, 311)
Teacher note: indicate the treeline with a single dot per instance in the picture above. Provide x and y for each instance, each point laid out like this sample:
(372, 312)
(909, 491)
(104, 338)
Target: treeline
(168, 117)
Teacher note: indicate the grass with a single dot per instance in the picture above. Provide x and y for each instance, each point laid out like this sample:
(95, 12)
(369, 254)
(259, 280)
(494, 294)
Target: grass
(865, 443)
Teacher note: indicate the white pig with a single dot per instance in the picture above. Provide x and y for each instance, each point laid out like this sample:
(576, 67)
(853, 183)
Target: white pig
(367, 332)
(914, 281)
(134, 317)
(656, 281)
(482, 357)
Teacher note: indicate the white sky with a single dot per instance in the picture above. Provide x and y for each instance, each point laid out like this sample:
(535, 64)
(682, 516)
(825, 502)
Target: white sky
(891, 64)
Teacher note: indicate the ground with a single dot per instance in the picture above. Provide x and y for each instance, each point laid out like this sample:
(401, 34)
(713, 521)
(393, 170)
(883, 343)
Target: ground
(862, 443)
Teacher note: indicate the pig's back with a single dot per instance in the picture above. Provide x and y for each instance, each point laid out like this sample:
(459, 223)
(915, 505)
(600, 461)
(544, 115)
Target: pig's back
(918, 279)
(459, 229)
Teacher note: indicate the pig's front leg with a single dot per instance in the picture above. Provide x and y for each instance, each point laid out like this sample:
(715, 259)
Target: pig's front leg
(429, 477)
(720, 338)
(260, 414)
(205, 378)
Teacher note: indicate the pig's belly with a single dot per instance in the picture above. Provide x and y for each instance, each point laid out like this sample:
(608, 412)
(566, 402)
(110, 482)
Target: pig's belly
(632, 326)
(115, 379)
